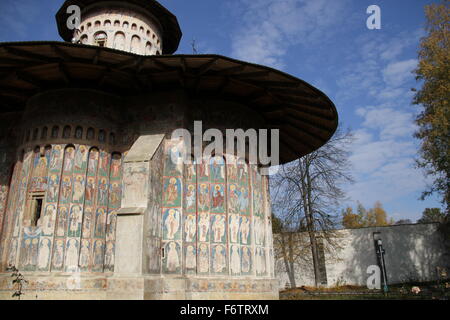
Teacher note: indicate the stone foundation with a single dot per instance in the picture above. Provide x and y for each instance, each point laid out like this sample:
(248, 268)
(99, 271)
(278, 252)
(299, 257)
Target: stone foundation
(72, 287)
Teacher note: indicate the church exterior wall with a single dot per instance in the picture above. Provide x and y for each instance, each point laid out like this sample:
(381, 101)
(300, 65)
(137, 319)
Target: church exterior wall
(200, 230)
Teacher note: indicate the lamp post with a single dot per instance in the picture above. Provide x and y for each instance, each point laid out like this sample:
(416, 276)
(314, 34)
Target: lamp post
(380, 256)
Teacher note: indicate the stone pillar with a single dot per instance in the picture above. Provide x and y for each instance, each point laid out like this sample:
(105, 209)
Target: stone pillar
(128, 281)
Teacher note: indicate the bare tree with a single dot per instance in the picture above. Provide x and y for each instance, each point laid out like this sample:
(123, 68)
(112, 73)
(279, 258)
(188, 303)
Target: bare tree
(307, 194)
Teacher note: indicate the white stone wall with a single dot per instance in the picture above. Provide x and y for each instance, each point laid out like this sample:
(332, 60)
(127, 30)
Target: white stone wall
(412, 254)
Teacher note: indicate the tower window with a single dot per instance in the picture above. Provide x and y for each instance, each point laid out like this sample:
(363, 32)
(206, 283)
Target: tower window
(100, 39)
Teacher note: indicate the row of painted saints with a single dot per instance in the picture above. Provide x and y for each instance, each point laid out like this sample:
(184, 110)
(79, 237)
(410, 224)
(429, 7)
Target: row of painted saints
(216, 224)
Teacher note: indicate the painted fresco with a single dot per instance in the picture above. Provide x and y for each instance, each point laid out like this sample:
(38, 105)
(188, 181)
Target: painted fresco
(172, 257)
(172, 208)
(172, 224)
(172, 192)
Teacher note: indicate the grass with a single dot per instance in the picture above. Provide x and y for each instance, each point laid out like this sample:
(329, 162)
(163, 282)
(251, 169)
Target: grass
(429, 291)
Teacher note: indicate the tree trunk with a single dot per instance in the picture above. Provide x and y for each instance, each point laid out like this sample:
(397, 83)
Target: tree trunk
(310, 225)
(289, 265)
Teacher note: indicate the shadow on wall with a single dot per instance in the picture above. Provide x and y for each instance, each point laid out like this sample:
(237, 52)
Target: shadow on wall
(412, 253)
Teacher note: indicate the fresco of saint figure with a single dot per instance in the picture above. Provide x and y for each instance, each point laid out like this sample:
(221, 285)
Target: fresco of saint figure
(235, 260)
(232, 172)
(62, 218)
(103, 191)
(87, 219)
(246, 260)
(72, 255)
(218, 199)
(218, 227)
(85, 254)
(172, 192)
(66, 190)
(173, 258)
(190, 228)
(115, 166)
(75, 220)
(203, 258)
(48, 220)
(115, 196)
(190, 257)
(100, 222)
(259, 230)
(245, 230)
(172, 224)
(242, 171)
(234, 228)
(219, 259)
(217, 169)
(203, 197)
(191, 198)
(58, 257)
(79, 159)
(98, 255)
(109, 255)
(53, 188)
(93, 161)
(233, 199)
(56, 156)
(90, 189)
(203, 170)
(68, 159)
(190, 172)
(78, 189)
(174, 161)
(243, 201)
(203, 227)
(104, 163)
(44, 253)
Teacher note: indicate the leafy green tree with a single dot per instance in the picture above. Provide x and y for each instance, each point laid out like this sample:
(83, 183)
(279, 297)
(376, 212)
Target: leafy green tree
(432, 215)
(434, 120)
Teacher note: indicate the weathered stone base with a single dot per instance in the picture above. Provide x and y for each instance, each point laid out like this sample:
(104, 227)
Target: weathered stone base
(66, 286)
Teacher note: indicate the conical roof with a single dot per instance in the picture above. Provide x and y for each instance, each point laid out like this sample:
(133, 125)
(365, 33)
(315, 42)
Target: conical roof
(306, 117)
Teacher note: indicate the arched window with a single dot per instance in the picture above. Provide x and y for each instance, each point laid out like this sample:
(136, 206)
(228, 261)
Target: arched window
(125, 25)
(134, 26)
(101, 39)
(66, 132)
(35, 134)
(55, 132)
(135, 44)
(148, 48)
(107, 23)
(141, 30)
(119, 41)
(97, 24)
(112, 138)
(44, 133)
(89, 26)
(84, 39)
(117, 23)
(82, 28)
(101, 136)
(148, 33)
(90, 134)
(79, 133)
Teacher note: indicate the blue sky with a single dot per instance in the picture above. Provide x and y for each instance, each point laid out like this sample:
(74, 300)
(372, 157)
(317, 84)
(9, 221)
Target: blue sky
(367, 73)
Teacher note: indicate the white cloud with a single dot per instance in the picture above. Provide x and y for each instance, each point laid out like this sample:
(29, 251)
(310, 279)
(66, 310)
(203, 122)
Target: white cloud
(271, 26)
(397, 73)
